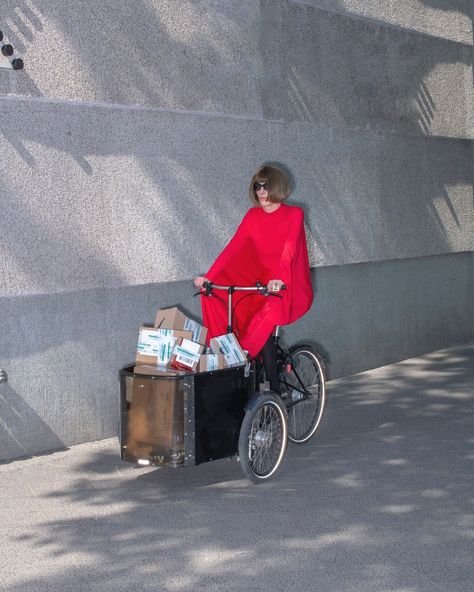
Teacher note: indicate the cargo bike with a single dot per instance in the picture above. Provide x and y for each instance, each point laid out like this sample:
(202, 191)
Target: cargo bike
(183, 418)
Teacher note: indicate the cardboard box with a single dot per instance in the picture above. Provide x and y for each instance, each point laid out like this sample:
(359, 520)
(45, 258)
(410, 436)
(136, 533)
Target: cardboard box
(210, 362)
(228, 345)
(156, 345)
(173, 318)
(186, 354)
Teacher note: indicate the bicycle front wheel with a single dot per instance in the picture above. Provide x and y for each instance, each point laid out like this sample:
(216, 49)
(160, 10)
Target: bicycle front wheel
(263, 437)
(304, 388)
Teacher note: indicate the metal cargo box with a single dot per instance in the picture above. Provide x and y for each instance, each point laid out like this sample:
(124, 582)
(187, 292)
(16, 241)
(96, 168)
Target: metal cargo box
(182, 418)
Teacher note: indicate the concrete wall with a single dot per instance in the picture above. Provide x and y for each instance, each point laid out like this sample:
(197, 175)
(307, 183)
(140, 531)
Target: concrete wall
(126, 115)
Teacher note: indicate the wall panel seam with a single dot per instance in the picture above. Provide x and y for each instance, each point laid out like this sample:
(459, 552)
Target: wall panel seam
(220, 115)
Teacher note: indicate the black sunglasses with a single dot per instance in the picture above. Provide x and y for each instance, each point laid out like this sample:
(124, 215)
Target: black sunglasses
(257, 186)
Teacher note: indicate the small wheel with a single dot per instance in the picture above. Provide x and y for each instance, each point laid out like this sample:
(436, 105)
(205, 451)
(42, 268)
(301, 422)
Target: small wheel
(304, 390)
(263, 437)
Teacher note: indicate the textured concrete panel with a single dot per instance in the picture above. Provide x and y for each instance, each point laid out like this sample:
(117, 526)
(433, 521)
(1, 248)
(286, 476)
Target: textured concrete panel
(368, 315)
(449, 19)
(273, 58)
(327, 68)
(187, 54)
(62, 352)
(99, 197)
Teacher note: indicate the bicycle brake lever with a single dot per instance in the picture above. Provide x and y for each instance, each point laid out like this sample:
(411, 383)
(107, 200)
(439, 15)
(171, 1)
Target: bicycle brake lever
(204, 293)
(206, 289)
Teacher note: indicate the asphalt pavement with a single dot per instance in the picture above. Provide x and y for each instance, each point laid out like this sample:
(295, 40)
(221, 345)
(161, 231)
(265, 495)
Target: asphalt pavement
(382, 499)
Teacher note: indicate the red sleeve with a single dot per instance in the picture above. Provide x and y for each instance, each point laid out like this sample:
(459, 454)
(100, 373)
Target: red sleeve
(294, 270)
(234, 246)
(292, 243)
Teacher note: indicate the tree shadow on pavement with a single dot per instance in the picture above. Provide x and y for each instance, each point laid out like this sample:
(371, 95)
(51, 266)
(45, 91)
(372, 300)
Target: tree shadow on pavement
(380, 499)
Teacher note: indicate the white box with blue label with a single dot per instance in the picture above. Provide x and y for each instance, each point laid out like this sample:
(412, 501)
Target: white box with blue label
(229, 347)
(155, 346)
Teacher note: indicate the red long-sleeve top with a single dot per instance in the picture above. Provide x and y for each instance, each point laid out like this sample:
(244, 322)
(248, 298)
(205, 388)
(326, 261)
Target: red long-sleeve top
(265, 246)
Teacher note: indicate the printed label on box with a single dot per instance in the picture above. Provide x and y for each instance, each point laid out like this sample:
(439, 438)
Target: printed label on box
(157, 342)
(186, 353)
(183, 356)
(231, 349)
(212, 362)
(196, 328)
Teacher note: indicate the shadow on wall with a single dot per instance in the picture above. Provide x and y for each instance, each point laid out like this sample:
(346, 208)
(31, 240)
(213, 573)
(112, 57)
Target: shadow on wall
(103, 326)
(384, 77)
(62, 353)
(22, 430)
(390, 89)
(162, 53)
(389, 473)
(188, 170)
(303, 94)
(103, 322)
(21, 21)
(382, 72)
(28, 229)
(463, 6)
(46, 235)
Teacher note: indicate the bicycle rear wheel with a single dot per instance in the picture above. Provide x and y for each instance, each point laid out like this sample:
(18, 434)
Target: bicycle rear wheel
(263, 437)
(303, 387)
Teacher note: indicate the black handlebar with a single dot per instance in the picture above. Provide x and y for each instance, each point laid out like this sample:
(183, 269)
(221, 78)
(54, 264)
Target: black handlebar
(259, 288)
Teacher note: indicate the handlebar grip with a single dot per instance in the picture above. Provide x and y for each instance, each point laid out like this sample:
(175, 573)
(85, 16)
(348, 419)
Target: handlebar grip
(282, 287)
(205, 290)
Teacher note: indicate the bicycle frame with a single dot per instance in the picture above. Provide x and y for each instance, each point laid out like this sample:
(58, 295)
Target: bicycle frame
(284, 355)
(258, 288)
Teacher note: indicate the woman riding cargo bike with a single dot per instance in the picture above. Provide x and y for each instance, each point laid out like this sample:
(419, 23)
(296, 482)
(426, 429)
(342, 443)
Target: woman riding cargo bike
(269, 246)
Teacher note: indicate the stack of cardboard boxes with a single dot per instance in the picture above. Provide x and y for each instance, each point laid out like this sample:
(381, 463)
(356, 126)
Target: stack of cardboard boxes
(174, 345)
(177, 343)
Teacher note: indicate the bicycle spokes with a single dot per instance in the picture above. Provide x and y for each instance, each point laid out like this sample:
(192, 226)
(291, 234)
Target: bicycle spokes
(264, 433)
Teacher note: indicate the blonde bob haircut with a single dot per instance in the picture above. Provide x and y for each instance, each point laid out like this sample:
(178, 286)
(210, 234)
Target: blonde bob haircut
(278, 185)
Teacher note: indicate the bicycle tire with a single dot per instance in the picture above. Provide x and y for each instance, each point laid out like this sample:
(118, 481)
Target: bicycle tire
(305, 403)
(263, 437)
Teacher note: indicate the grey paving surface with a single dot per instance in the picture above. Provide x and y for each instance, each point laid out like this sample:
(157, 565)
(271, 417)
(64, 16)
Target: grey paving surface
(382, 500)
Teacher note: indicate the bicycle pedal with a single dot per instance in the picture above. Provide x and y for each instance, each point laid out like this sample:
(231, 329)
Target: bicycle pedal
(288, 368)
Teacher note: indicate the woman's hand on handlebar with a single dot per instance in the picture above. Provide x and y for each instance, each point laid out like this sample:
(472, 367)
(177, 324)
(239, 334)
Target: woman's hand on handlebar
(199, 281)
(274, 286)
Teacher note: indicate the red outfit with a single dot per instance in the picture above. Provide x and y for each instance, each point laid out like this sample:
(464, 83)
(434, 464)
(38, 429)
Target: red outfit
(266, 246)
